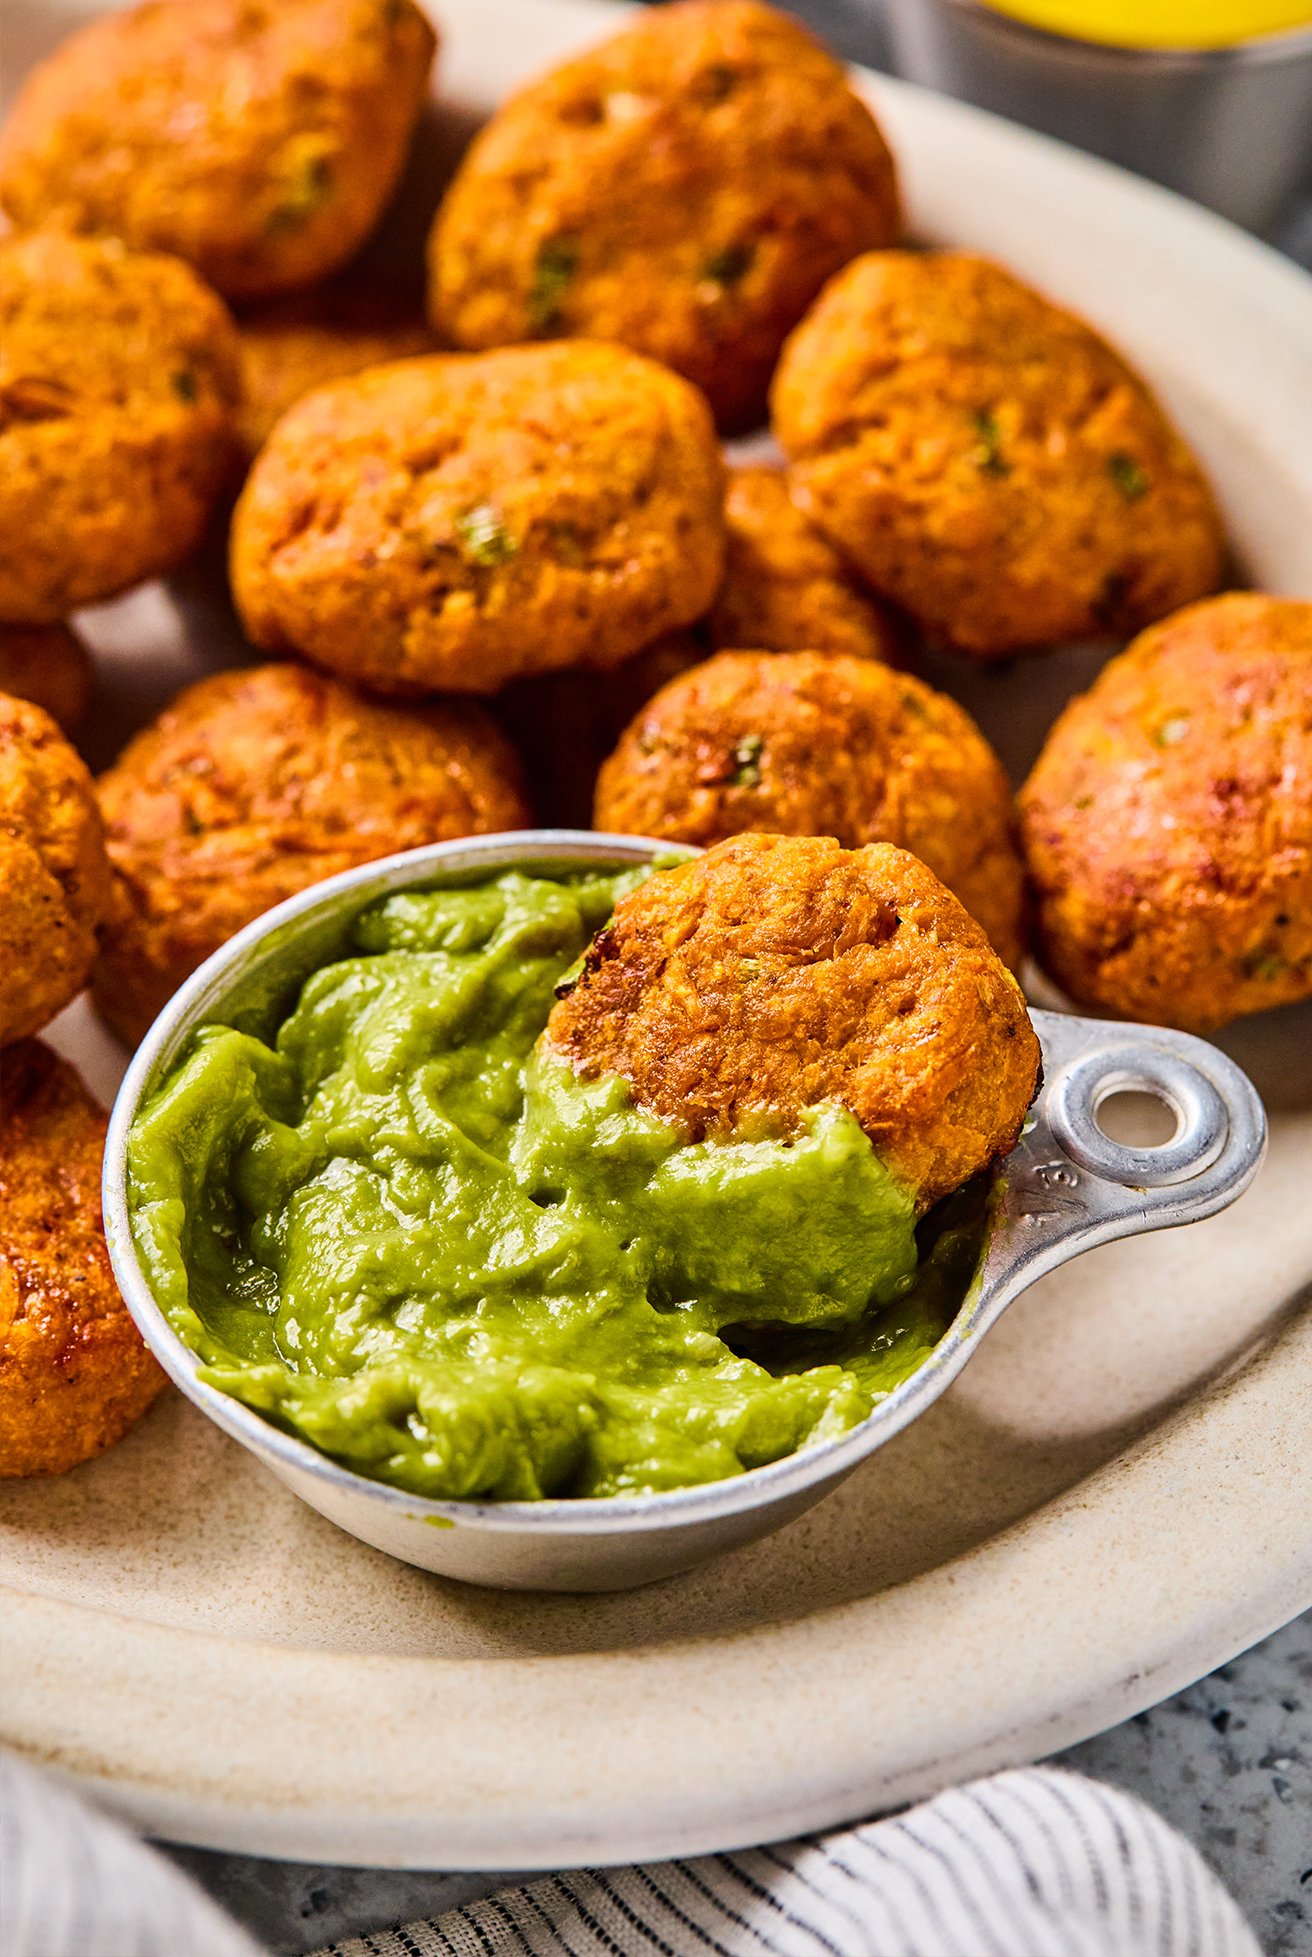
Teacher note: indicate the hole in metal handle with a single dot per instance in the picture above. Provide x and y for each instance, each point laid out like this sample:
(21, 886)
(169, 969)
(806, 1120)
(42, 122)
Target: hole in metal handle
(1202, 1121)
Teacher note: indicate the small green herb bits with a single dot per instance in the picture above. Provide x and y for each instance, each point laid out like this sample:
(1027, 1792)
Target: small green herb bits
(1265, 963)
(747, 762)
(484, 538)
(1170, 733)
(987, 454)
(305, 187)
(727, 266)
(554, 268)
(183, 383)
(1128, 475)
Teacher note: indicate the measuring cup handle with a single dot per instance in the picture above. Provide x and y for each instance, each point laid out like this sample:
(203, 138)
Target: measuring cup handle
(1068, 1186)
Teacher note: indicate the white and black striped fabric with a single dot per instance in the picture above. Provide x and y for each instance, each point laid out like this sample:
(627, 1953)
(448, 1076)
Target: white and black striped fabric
(1034, 1863)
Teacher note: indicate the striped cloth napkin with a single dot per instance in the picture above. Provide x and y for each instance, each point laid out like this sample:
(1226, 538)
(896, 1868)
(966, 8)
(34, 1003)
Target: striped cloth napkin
(1033, 1863)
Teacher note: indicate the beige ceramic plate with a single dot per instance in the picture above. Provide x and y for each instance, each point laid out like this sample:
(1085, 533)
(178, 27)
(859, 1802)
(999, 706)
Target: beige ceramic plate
(1115, 1497)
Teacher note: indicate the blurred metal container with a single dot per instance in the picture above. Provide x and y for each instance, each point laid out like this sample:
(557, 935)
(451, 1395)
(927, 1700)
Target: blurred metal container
(1230, 127)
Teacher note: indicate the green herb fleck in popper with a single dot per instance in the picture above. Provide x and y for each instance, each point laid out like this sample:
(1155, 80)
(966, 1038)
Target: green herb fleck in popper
(553, 274)
(484, 538)
(747, 761)
(988, 456)
(1265, 963)
(727, 266)
(1128, 475)
(304, 189)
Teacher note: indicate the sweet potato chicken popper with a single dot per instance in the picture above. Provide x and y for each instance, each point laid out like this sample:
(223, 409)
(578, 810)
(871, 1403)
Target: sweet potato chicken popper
(463, 521)
(54, 876)
(256, 783)
(1167, 823)
(777, 973)
(986, 460)
(257, 139)
(813, 744)
(292, 345)
(74, 1374)
(785, 588)
(684, 189)
(118, 385)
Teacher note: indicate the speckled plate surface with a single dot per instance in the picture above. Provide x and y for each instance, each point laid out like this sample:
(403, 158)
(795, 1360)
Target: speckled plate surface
(1115, 1497)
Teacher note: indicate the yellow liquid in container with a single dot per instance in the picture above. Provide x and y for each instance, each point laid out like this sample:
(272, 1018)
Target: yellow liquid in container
(1161, 23)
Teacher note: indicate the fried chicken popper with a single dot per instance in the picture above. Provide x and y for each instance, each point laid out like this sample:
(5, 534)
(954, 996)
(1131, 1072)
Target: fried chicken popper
(1167, 824)
(74, 1373)
(254, 784)
(54, 877)
(986, 460)
(777, 973)
(296, 344)
(686, 188)
(465, 520)
(257, 141)
(816, 744)
(786, 589)
(118, 383)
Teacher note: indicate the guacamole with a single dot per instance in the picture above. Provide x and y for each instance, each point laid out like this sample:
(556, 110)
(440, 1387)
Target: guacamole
(401, 1229)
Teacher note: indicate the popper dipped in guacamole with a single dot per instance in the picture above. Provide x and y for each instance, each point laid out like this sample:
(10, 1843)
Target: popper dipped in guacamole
(460, 1257)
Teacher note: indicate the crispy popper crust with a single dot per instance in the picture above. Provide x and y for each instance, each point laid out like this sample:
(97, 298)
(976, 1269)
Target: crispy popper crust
(54, 878)
(786, 589)
(254, 784)
(292, 345)
(986, 460)
(776, 973)
(686, 189)
(118, 382)
(815, 744)
(48, 665)
(461, 521)
(1167, 824)
(74, 1374)
(257, 139)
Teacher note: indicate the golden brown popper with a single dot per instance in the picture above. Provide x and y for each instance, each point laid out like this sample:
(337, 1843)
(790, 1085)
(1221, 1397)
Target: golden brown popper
(256, 783)
(686, 188)
(777, 973)
(988, 461)
(74, 1373)
(54, 877)
(816, 744)
(118, 384)
(1167, 824)
(257, 141)
(460, 521)
(291, 345)
(786, 589)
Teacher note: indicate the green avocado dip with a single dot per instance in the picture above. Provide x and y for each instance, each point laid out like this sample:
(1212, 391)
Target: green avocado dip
(404, 1230)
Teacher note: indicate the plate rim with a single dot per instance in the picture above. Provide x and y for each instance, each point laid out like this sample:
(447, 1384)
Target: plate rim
(71, 1715)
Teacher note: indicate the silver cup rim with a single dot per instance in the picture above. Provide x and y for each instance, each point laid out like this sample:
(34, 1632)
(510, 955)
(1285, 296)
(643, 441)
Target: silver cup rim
(1258, 50)
(553, 1516)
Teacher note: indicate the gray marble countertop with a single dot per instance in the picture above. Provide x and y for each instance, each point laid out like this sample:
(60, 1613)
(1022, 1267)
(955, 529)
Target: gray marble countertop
(1228, 1763)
